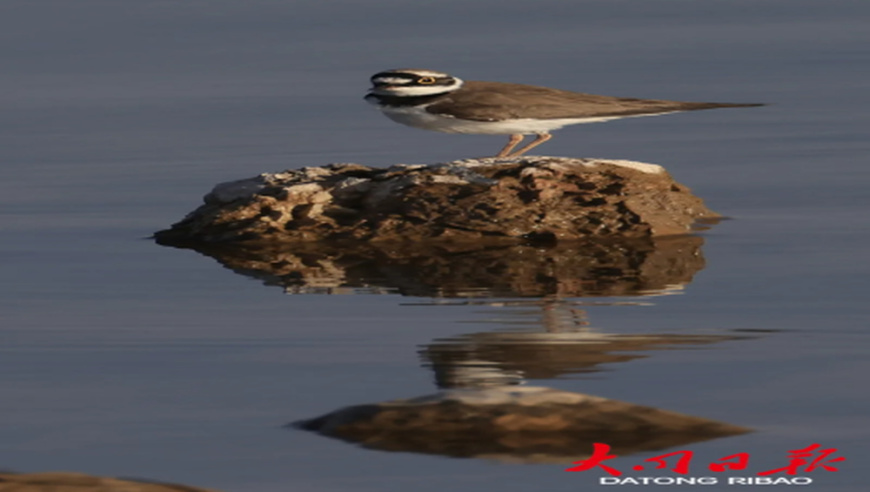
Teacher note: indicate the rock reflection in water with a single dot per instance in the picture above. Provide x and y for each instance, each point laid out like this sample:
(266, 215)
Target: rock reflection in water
(482, 412)
(566, 269)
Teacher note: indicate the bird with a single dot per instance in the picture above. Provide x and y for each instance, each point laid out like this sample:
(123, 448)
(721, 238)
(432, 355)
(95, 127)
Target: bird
(434, 100)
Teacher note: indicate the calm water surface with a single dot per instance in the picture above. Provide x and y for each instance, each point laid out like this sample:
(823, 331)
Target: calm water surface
(120, 357)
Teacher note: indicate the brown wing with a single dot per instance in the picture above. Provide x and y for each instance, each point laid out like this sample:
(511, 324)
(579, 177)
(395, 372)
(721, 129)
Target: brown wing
(493, 101)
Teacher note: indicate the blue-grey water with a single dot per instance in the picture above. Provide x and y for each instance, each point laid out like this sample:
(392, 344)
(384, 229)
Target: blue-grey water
(120, 357)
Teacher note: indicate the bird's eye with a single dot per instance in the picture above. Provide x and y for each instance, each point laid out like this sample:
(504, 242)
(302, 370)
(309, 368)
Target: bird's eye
(426, 80)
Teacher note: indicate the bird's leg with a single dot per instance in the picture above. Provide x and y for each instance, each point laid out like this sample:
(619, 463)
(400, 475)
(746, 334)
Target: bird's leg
(514, 140)
(542, 137)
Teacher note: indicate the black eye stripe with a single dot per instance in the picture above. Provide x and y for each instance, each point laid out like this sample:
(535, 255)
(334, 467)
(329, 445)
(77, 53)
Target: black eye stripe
(439, 81)
(413, 78)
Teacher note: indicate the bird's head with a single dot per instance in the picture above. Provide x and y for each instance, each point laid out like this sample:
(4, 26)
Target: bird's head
(412, 82)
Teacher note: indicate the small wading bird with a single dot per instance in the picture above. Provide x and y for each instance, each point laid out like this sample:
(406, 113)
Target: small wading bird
(437, 101)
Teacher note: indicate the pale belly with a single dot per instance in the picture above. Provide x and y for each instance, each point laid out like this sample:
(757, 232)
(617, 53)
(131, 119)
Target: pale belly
(419, 118)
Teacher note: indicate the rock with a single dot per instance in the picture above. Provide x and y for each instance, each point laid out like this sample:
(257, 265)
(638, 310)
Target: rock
(528, 424)
(489, 200)
(79, 482)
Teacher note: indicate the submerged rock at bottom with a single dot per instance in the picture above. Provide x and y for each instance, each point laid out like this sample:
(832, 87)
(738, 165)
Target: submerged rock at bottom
(537, 198)
(79, 482)
(526, 424)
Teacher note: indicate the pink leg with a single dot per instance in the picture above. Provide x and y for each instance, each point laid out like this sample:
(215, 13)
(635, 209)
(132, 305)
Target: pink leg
(542, 137)
(506, 150)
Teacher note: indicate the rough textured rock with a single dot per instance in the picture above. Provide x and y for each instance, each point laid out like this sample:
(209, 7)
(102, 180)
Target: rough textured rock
(538, 198)
(79, 482)
(529, 424)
